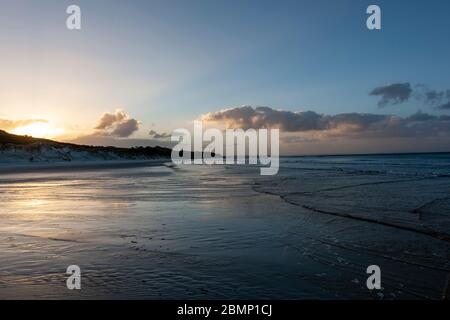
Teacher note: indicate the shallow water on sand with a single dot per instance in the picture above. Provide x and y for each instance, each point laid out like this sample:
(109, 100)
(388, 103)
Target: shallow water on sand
(227, 232)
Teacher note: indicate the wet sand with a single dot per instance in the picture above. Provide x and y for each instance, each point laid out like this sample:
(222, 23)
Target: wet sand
(225, 232)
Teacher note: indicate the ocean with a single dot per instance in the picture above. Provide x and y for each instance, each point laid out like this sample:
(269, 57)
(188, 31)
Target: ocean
(159, 231)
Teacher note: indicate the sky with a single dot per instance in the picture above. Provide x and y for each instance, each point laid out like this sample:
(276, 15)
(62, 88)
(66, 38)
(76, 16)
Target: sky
(140, 67)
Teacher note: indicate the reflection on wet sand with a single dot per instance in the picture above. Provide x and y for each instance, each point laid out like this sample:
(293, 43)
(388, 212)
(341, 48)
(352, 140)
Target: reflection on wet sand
(226, 232)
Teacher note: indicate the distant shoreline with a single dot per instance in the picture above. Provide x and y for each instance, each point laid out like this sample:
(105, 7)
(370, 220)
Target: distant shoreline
(8, 168)
(365, 154)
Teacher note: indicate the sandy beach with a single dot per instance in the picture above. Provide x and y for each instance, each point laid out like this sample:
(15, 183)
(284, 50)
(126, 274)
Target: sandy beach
(226, 232)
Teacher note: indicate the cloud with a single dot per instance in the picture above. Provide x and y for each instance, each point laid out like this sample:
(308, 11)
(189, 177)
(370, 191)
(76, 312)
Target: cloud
(438, 99)
(432, 97)
(392, 94)
(117, 124)
(421, 116)
(109, 119)
(401, 92)
(319, 126)
(8, 125)
(125, 128)
(246, 117)
(445, 106)
(157, 135)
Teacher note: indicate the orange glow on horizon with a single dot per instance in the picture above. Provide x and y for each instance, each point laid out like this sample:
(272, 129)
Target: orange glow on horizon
(39, 130)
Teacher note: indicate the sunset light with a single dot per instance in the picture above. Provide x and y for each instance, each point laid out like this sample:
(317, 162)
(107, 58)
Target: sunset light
(39, 130)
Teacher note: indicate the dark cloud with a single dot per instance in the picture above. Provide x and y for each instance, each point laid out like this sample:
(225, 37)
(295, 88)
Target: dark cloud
(125, 128)
(329, 126)
(401, 92)
(117, 124)
(7, 125)
(421, 116)
(392, 94)
(157, 135)
(445, 106)
(438, 99)
(432, 97)
(246, 117)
